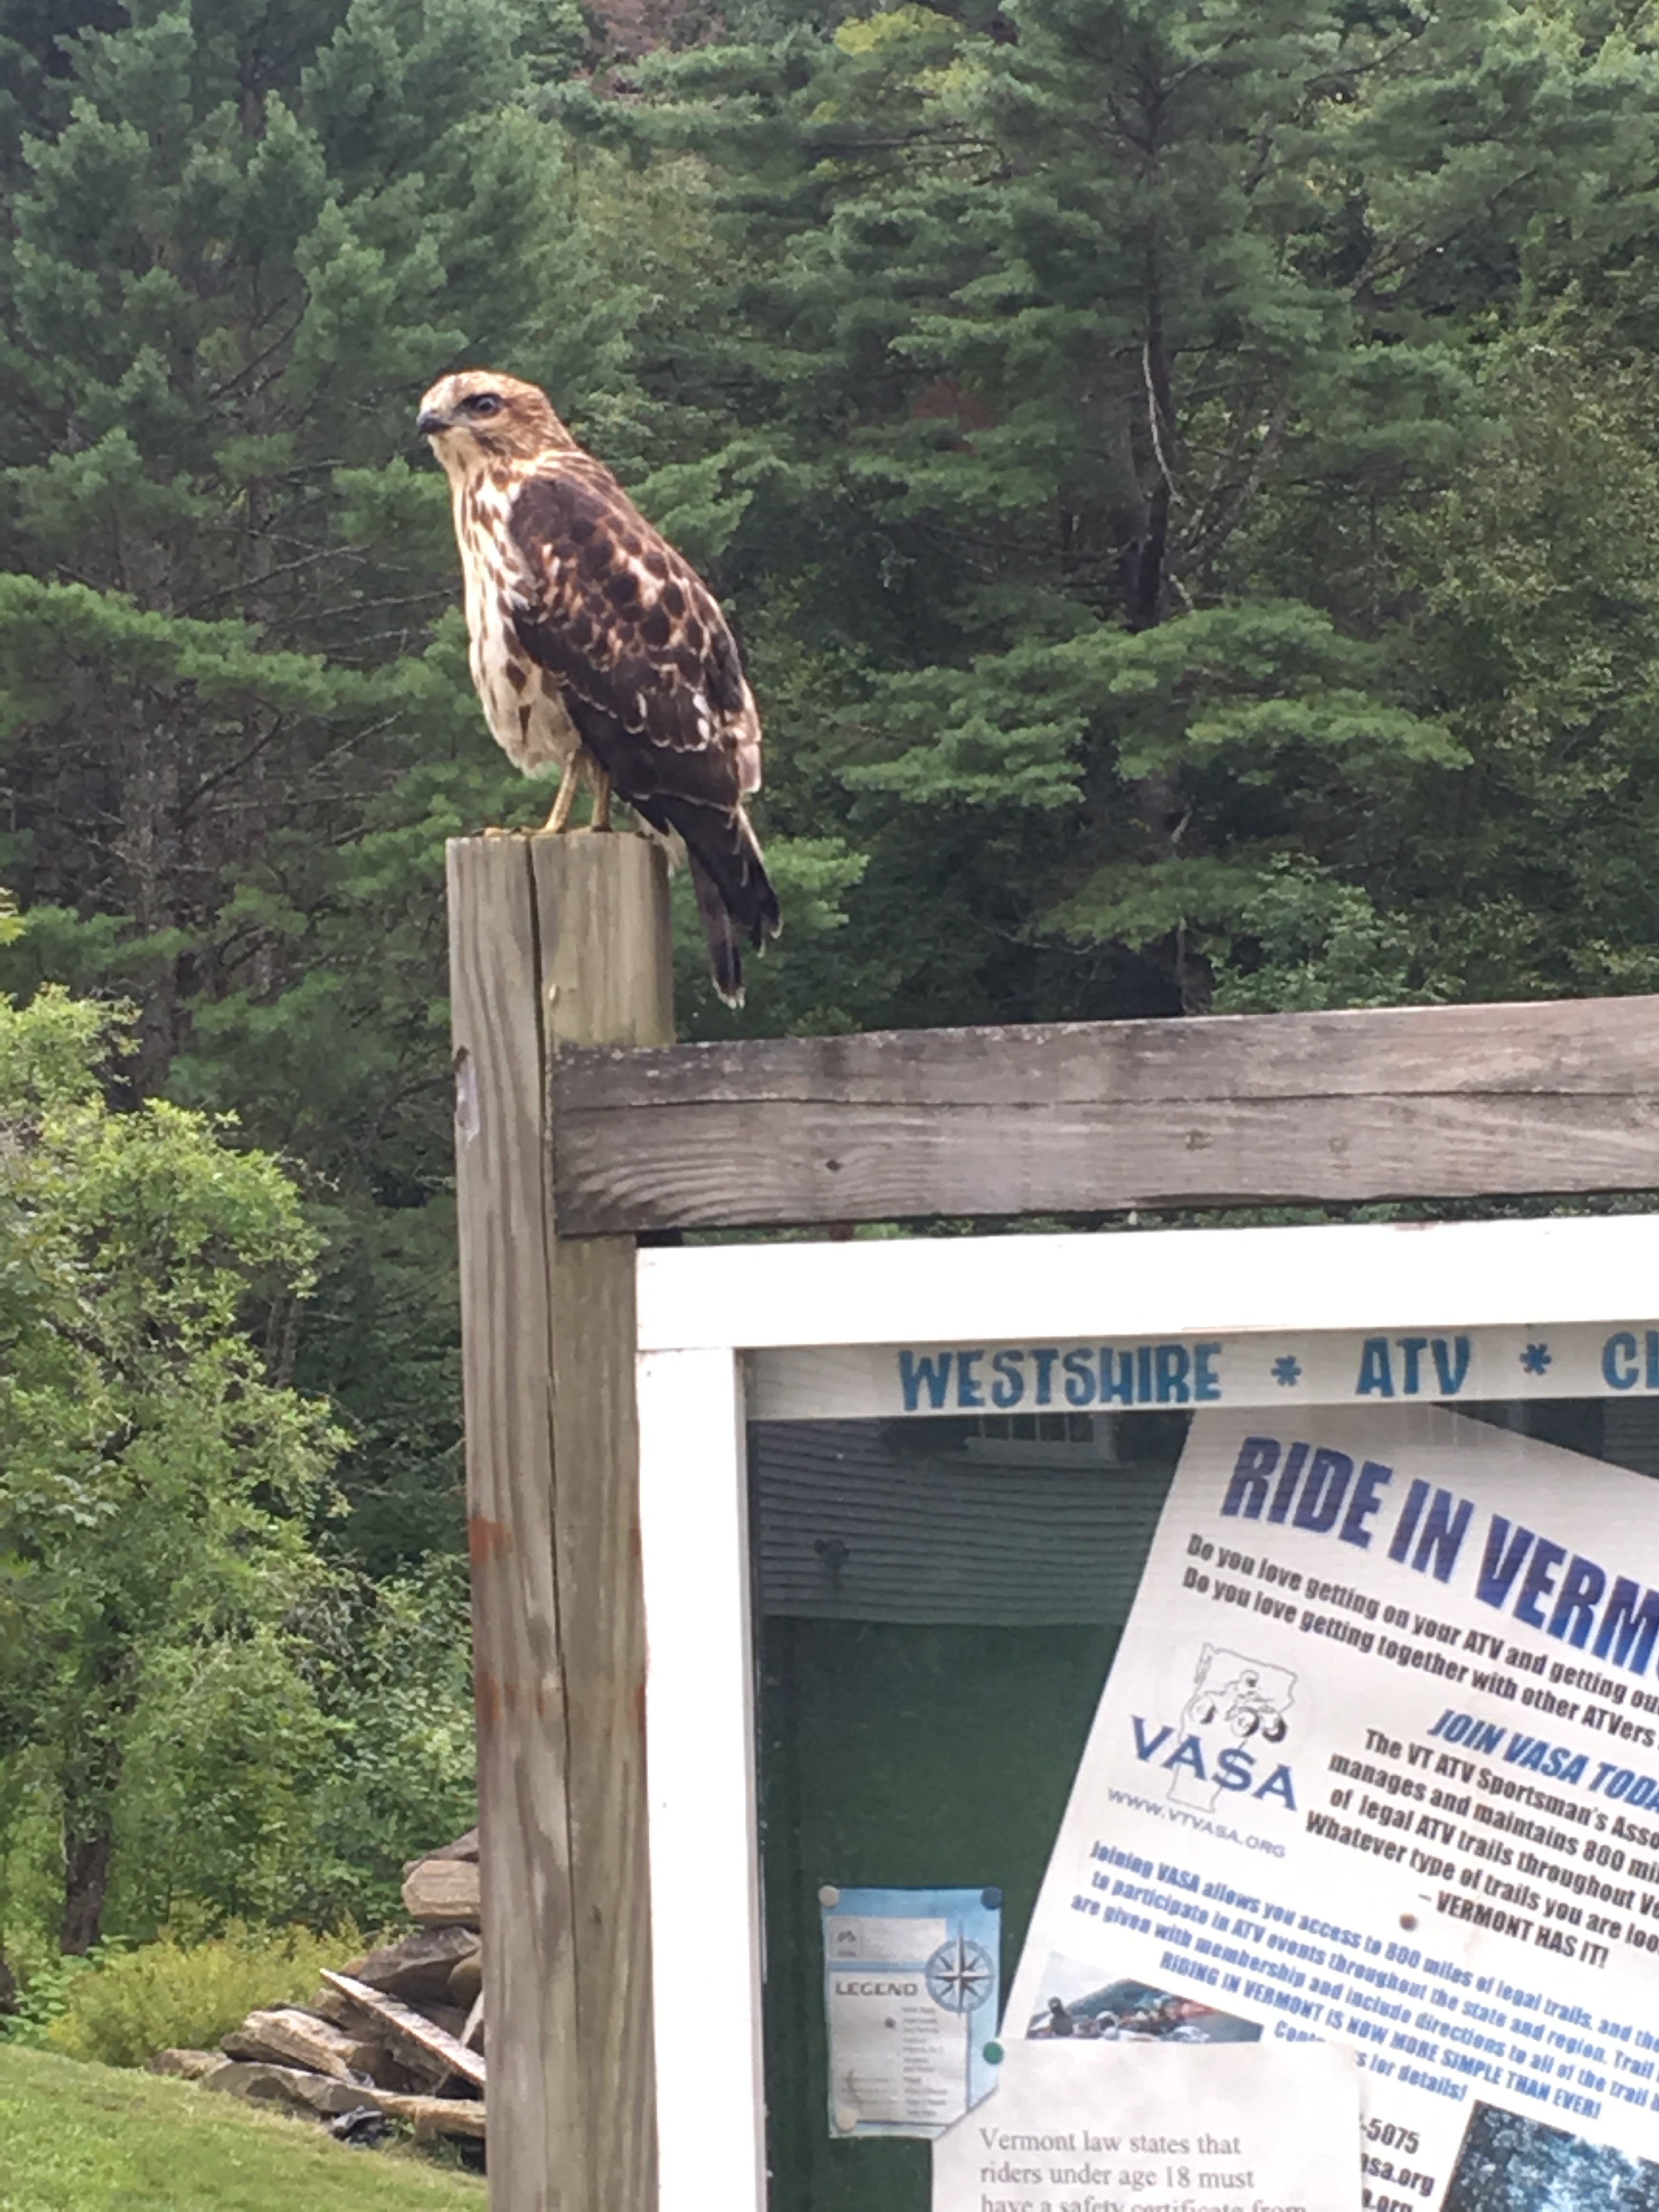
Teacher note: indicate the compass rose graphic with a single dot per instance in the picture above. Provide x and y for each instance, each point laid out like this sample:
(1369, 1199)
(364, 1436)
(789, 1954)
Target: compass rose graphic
(960, 1975)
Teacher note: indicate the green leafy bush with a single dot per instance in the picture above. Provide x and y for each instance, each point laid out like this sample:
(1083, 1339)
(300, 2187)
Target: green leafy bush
(172, 1992)
(44, 1996)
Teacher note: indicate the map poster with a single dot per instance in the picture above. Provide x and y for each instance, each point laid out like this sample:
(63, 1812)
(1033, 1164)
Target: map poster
(911, 1978)
(1378, 1761)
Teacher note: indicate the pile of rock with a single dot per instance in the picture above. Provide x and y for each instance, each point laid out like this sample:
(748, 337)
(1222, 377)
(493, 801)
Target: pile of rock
(398, 2035)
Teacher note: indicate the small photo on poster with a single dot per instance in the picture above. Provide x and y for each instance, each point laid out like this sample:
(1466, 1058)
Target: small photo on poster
(1075, 2004)
(1508, 2162)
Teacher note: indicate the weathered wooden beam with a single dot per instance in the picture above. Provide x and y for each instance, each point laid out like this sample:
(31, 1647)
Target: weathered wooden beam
(1416, 1102)
(429, 2115)
(418, 2042)
(553, 941)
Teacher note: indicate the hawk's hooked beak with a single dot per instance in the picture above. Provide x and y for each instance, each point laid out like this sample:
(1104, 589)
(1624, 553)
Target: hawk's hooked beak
(429, 422)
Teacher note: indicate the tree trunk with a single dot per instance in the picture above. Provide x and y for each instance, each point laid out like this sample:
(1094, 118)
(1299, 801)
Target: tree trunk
(8, 1988)
(86, 1878)
(150, 846)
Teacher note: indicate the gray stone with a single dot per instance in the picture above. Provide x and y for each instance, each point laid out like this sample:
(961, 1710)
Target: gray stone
(259, 2084)
(418, 1967)
(188, 2065)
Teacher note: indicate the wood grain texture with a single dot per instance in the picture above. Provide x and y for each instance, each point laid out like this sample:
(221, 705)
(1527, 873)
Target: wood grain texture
(418, 2042)
(555, 941)
(432, 2117)
(1452, 1102)
(538, 2123)
(602, 906)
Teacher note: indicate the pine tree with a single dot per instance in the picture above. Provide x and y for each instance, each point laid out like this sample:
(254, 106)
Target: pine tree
(246, 237)
(235, 723)
(1093, 347)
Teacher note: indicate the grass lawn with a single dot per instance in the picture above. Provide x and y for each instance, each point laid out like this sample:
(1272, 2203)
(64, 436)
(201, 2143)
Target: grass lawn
(76, 2138)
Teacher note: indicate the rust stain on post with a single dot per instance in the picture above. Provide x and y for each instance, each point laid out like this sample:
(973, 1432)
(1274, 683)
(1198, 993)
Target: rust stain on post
(487, 1539)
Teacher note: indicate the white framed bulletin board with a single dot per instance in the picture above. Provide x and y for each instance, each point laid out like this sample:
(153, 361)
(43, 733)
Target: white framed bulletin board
(1262, 1621)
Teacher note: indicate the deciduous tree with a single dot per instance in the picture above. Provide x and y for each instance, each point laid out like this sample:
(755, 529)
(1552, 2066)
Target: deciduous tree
(158, 1490)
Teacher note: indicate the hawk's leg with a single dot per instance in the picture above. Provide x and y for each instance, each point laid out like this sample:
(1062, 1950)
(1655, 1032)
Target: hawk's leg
(582, 768)
(559, 814)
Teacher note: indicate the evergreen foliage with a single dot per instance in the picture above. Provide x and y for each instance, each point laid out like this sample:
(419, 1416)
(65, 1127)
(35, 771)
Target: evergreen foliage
(1103, 362)
(240, 724)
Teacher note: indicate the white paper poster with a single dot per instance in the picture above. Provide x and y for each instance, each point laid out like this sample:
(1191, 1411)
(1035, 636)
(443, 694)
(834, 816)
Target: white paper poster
(1378, 1760)
(1180, 2129)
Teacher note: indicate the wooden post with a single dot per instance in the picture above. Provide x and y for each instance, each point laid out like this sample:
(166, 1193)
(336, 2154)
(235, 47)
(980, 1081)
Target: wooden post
(555, 941)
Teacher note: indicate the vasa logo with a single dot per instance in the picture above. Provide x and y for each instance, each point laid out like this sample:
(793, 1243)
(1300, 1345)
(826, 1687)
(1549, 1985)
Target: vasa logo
(1234, 1768)
(1230, 1733)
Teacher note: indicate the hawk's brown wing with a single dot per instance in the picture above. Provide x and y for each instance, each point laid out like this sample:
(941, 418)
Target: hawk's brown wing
(652, 681)
(628, 627)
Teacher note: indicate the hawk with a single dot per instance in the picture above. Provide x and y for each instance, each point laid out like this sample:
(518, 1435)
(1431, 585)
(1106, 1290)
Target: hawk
(599, 650)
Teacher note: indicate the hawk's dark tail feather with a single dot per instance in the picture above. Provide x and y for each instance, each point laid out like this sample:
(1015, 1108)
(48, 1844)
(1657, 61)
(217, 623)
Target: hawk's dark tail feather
(735, 896)
(724, 958)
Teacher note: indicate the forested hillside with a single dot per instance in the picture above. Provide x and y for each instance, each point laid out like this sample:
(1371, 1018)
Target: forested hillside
(1184, 477)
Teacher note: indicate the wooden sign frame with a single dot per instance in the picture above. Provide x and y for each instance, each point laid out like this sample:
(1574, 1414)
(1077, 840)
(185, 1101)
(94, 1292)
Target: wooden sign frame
(616, 1812)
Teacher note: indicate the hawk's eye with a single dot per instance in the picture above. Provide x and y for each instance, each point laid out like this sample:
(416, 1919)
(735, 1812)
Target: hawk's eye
(484, 402)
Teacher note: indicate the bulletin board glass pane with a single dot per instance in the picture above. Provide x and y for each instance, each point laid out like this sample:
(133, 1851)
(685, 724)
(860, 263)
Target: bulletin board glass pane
(937, 1604)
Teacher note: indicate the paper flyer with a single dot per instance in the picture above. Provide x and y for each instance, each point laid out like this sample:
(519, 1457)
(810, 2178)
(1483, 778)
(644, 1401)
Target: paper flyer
(911, 1978)
(1378, 1760)
(1160, 2130)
